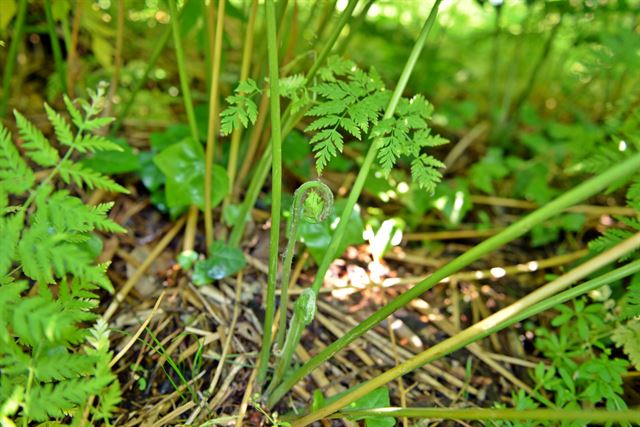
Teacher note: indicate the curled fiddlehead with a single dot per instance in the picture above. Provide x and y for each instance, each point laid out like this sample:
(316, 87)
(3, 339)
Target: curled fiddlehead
(313, 202)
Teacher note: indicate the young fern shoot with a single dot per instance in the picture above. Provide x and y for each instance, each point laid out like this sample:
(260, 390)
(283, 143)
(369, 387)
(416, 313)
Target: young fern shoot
(313, 202)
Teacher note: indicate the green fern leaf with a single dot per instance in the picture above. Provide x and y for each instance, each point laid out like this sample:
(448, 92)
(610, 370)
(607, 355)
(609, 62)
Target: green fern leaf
(9, 297)
(60, 126)
(109, 400)
(36, 320)
(327, 144)
(68, 214)
(57, 364)
(10, 228)
(613, 236)
(92, 143)
(35, 144)
(76, 117)
(631, 301)
(15, 175)
(241, 109)
(633, 194)
(74, 172)
(424, 171)
(55, 399)
(628, 337)
(95, 124)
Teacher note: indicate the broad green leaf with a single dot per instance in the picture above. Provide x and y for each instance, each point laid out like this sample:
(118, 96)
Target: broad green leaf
(231, 214)
(224, 261)
(378, 398)
(183, 167)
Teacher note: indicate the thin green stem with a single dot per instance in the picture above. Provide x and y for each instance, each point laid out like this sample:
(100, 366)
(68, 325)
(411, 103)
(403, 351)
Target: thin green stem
(303, 313)
(247, 52)
(487, 326)
(276, 188)
(588, 415)
(579, 193)
(16, 39)
(290, 120)
(151, 63)
(213, 122)
(182, 71)
(55, 46)
(297, 212)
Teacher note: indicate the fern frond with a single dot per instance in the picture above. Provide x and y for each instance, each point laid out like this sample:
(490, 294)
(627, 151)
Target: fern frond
(60, 126)
(109, 399)
(15, 175)
(327, 144)
(56, 399)
(57, 364)
(631, 300)
(241, 109)
(38, 319)
(627, 336)
(352, 106)
(70, 214)
(612, 237)
(74, 172)
(10, 229)
(35, 144)
(9, 296)
(98, 123)
(633, 194)
(424, 171)
(92, 143)
(76, 117)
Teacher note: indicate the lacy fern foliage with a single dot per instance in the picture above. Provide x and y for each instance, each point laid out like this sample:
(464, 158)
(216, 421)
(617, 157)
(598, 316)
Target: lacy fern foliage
(241, 110)
(351, 101)
(50, 364)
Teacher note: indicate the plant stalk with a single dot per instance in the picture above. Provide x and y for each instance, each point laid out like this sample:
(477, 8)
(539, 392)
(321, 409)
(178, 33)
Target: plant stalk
(276, 189)
(487, 326)
(212, 132)
(598, 416)
(244, 75)
(182, 71)
(579, 193)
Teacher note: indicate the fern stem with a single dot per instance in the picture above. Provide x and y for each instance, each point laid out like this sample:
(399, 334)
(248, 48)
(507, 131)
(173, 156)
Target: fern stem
(487, 326)
(276, 189)
(16, 39)
(262, 170)
(182, 71)
(599, 416)
(55, 46)
(244, 74)
(297, 210)
(581, 192)
(213, 122)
